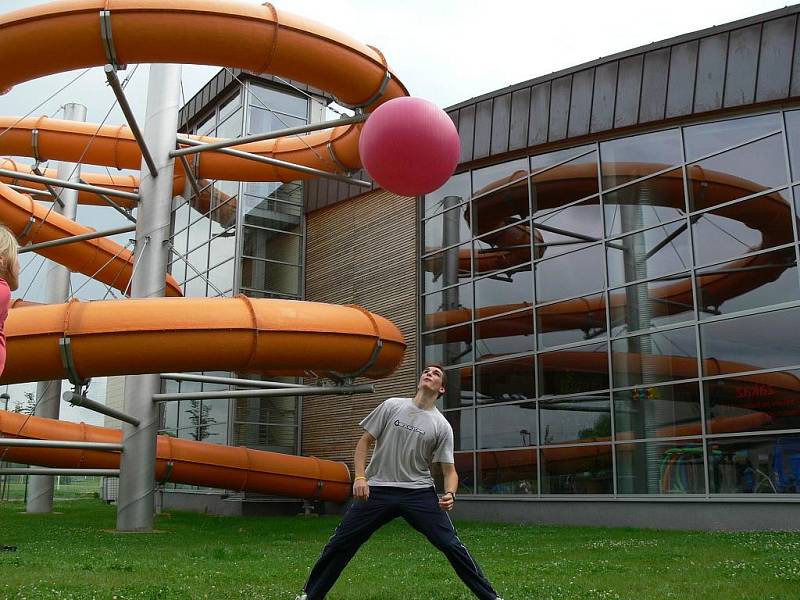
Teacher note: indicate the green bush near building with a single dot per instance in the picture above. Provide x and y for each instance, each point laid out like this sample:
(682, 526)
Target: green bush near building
(77, 554)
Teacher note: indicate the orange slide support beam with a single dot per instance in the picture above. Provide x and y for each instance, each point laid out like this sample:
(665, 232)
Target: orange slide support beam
(266, 336)
(183, 461)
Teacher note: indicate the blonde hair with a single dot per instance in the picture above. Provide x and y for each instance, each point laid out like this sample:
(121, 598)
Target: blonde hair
(8, 249)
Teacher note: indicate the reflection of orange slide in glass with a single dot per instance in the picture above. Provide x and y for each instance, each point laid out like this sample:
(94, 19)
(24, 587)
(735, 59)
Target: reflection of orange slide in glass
(512, 465)
(268, 336)
(182, 461)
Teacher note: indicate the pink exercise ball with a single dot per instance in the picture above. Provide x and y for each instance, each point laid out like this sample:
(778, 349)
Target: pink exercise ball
(409, 146)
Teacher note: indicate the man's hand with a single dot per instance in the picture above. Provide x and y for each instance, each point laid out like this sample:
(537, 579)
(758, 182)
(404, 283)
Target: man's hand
(446, 502)
(360, 489)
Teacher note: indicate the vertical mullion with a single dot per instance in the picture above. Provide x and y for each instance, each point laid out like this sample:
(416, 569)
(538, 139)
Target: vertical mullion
(698, 347)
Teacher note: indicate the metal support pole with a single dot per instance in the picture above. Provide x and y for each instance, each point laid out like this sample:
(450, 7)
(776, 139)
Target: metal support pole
(271, 135)
(136, 503)
(252, 383)
(84, 402)
(44, 472)
(113, 81)
(76, 238)
(72, 185)
(332, 390)
(48, 393)
(280, 163)
(60, 444)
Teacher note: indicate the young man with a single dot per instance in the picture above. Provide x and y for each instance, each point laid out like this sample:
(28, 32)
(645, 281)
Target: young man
(411, 434)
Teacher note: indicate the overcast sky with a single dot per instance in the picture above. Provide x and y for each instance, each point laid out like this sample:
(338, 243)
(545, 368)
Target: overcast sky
(446, 51)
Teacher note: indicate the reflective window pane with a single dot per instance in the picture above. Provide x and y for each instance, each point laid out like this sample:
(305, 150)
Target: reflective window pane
(507, 425)
(633, 157)
(658, 411)
(498, 208)
(451, 306)
(463, 424)
(439, 268)
(737, 173)
(737, 229)
(266, 243)
(652, 304)
(490, 179)
(503, 292)
(654, 357)
(510, 334)
(754, 282)
(570, 274)
(568, 228)
(270, 276)
(221, 278)
(231, 127)
(507, 472)
(269, 212)
(506, 380)
(572, 321)
(509, 247)
(755, 465)
(448, 346)
(446, 229)
(646, 203)
(793, 137)
(577, 470)
(465, 467)
(753, 402)
(749, 343)
(458, 391)
(582, 369)
(230, 105)
(544, 161)
(660, 468)
(564, 184)
(266, 97)
(706, 138)
(575, 420)
(458, 187)
(260, 436)
(263, 121)
(222, 247)
(649, 254)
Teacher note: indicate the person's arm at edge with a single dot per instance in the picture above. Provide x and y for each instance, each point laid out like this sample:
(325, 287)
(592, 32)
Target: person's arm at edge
(450, 486)
(360, 484)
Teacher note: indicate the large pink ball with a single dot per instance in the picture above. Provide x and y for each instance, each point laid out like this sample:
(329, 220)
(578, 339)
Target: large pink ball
(409, 146)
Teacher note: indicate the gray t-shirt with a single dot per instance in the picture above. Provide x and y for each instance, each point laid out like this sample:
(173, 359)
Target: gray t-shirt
(409, 439)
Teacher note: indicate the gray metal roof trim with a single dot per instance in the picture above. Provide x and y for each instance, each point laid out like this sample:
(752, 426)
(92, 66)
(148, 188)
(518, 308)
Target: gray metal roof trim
(674, 41)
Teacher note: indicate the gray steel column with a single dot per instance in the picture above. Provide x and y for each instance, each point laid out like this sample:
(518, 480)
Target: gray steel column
(136, 504)
(48, 393)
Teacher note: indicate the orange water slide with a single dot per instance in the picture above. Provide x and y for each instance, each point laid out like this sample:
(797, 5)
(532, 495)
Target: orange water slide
(182, 461)
(257, 38)
(266, 336)
(101, 258)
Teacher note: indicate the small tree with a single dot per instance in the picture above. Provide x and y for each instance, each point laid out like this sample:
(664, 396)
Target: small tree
(198, 416)
(28, 406)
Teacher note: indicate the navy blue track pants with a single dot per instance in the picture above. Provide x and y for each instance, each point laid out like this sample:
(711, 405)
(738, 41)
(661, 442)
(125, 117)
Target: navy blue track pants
(420, 507)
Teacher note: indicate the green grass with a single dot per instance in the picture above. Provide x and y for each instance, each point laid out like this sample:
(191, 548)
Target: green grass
(76, 554)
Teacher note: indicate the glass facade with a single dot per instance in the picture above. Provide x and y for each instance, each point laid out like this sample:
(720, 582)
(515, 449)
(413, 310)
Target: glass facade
(621, 318)
(241, 238)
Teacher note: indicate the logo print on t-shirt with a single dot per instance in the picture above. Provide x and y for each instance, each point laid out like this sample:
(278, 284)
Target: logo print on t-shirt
(399, 423)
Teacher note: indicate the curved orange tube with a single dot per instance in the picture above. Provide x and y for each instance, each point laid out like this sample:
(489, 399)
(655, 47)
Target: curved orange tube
(275, 337)
(183, 461)
(101, 258)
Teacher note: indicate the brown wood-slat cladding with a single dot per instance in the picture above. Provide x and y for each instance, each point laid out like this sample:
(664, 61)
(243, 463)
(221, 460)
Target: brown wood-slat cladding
(361, 251)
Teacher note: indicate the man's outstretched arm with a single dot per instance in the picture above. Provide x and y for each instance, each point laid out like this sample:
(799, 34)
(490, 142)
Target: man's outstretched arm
(360, 485)
(450, 486)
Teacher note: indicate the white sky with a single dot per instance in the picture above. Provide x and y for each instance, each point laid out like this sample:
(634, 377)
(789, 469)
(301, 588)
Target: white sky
(446, 51)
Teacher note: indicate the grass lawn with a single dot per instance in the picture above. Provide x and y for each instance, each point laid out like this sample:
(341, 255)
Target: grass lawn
(76, 554)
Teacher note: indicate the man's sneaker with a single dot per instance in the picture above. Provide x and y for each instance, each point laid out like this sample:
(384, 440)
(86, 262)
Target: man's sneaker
(301, 597)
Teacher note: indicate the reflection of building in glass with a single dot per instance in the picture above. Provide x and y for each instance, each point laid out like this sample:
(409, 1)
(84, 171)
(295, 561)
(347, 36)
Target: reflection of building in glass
(610, 280)
(240, 238)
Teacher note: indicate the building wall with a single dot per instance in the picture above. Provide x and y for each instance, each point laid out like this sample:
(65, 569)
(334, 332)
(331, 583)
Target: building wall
(362, 251)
